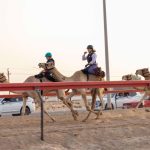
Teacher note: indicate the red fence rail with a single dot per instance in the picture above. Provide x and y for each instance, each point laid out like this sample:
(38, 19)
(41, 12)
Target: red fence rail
(54, 94)
(71, 85)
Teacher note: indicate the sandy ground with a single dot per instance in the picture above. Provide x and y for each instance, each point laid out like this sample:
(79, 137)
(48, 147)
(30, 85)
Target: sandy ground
(116, 130)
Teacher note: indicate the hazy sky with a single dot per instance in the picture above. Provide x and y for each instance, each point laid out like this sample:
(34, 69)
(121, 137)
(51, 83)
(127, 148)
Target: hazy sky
(30, 28)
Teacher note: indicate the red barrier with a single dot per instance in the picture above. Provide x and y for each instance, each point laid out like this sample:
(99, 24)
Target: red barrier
(88, 93)
(71, 85)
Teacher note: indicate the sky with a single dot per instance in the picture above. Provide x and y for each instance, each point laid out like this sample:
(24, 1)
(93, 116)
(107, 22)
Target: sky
(30, 28)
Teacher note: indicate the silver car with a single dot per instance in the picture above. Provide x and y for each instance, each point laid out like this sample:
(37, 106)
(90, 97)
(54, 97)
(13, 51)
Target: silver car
(118, 99)
(13, 106)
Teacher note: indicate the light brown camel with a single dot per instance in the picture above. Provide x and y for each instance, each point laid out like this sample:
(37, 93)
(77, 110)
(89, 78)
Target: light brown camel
(144, 72)
(79, 76)
(60, 94)
(136, 77)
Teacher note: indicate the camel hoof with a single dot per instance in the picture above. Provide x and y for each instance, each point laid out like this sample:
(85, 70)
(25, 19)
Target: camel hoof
(75, 118)
(147, 110)
(84, 120)
(96, 118)
(76, 113)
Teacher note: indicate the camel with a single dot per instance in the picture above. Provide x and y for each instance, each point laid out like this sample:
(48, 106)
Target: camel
(144, 72)
(79, 76)
(136, 77)
(60, 95)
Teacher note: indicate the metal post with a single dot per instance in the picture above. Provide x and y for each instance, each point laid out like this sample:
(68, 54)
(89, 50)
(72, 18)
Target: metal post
(106, 50)
(42, 114)
(8, 76)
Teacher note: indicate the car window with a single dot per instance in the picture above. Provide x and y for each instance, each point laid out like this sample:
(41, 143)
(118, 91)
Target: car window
(126, 94)
(132, 94)
(6, 100)
(13, 100)
(19, 99)
(119, 95)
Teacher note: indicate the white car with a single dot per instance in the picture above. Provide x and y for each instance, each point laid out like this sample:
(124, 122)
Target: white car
(118, 99)
(13, 106)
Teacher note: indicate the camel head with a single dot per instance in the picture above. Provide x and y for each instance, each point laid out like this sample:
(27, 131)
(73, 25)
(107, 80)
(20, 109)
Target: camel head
(131, 77)
(2, 78)
(46, 65)
(143, 72)
(42, 65)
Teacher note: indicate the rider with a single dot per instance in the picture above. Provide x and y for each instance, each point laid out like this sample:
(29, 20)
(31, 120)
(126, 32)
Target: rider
(47, 72)
(49, 58)
(91, 59)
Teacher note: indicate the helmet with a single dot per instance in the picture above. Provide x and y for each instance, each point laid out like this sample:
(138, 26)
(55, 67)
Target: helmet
(90, 47)
(48, 54)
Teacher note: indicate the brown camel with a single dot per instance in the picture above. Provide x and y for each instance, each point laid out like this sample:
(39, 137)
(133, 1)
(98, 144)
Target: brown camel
(60, 94)
(136, 77)
(144, 72)
(79, 76)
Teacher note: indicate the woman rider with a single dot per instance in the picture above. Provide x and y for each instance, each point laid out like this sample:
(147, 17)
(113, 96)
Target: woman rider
(91, 66)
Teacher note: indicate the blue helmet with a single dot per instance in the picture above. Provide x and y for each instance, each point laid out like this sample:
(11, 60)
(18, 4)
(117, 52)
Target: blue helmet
(48, 54)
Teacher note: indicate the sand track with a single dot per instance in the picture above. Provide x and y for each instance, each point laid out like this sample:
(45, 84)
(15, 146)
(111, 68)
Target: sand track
(116, 130)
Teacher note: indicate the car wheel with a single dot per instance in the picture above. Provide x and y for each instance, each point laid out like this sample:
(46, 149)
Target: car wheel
(27, 111)
(106, 107)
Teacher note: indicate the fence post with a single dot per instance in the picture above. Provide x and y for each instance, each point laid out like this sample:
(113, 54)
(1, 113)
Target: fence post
(42, 113)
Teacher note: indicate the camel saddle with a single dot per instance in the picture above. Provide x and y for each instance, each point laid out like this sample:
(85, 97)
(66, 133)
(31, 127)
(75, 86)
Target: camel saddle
(47, 75)
(97, 72)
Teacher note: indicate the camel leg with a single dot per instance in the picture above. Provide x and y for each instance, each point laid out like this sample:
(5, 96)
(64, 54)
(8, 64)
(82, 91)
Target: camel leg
(70, 106)
(100, 94)
(24, 106)
(49, 115)
(139, 103)
(93, 93)
(68, 103)
(83, 94)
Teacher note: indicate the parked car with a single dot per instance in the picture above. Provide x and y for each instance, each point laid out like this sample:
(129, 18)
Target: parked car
(13, 106)
(133, 104)
(118, 99)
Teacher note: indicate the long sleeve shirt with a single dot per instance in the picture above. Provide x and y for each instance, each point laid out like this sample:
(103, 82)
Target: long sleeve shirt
(93, 61)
